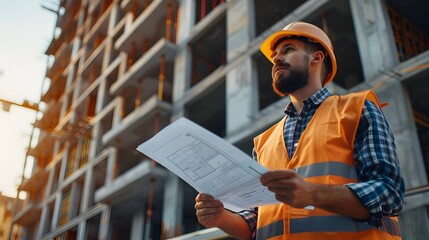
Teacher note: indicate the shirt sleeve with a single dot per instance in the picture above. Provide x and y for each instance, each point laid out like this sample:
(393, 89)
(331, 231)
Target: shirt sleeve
(251, 217)
(380, 187)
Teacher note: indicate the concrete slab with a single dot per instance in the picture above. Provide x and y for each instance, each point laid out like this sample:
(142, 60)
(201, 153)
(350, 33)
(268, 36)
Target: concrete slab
(144, 64)
(146, 112)
(132, 184)
(145, 24)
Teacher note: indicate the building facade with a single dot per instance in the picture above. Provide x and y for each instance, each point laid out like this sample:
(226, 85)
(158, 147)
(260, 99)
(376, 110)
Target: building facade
(121, 70)
(6, 215)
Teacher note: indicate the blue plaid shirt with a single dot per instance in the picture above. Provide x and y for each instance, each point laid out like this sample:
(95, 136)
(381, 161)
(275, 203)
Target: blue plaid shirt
(380, 187)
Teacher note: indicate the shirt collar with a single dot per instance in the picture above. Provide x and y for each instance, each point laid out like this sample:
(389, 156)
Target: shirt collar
(316, 99)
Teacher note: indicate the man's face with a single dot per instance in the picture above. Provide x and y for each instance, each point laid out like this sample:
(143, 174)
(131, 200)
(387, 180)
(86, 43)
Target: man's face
(290, 69)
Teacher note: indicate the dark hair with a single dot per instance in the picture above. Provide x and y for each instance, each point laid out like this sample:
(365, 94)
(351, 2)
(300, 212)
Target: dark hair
(311, 46)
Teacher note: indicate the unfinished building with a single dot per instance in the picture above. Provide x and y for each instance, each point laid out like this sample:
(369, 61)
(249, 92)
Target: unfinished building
(124, 69)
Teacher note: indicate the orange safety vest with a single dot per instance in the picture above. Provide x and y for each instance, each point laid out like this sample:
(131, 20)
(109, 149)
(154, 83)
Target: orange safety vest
(324, 155)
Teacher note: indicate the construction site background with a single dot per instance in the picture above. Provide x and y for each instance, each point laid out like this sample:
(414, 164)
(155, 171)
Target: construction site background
(121, 70)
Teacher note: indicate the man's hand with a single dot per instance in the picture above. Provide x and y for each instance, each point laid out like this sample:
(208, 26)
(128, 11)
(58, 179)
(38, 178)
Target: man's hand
(208, 210)
(211, 213)
(289, 187)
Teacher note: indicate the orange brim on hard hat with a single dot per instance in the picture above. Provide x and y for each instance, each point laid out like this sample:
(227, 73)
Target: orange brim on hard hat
(305, 30)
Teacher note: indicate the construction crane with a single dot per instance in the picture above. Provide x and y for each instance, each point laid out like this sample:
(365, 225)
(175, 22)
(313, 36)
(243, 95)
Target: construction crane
(26, 104)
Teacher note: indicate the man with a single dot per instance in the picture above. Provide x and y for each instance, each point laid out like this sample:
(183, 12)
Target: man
(332, 159)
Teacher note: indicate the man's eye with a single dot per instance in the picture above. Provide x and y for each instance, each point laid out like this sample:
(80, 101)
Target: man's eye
(287, 50)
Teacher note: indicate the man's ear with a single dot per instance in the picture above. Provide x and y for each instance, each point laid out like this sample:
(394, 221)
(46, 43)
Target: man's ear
(318, 57)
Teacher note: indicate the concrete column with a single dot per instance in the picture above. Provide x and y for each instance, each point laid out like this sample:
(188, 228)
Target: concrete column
(45, 210)
(79, 143)
(240, 27)
(101, 96)
(56, 213)
(137, 225)
(42, 222)
(104, 232)
(65, 99)
(76, 46)
(50, 182)
(415, 224)
(241, 88)
(107, 54)
(64, 163)
(173, 193)
(87, 191)
(182, 63)
(81, 19)
(88, 186)
(242, 96)
(113, 21)
(81, 229)
(182, 72)
(414, 219)
(95, 140)
(374, 37)
(186, 19)
(173, 205)
(122, 69)
(76, 194)
(111, 166)
(400, 117)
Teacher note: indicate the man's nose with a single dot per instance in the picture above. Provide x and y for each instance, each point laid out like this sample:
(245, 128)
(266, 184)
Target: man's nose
(278, 58)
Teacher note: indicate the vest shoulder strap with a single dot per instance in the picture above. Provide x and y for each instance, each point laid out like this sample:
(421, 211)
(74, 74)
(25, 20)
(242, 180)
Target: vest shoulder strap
(367, 94)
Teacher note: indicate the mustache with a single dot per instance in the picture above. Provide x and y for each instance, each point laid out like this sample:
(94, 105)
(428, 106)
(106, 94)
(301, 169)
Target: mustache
(283, 64)
(280, 65)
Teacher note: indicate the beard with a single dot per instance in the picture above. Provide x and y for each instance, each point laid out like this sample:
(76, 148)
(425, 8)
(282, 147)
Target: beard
(284, 85)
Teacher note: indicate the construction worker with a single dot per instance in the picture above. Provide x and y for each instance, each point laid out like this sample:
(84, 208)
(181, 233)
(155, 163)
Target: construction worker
(332, 159)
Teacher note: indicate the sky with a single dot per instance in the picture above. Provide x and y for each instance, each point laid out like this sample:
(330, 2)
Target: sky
(25, 33)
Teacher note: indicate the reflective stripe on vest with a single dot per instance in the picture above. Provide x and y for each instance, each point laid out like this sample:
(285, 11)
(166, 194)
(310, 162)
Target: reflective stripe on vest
(333, 223)
(271, 230)
(328, 168)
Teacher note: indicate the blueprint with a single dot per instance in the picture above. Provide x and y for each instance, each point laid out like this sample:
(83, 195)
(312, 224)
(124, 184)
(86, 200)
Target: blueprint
(209, 164)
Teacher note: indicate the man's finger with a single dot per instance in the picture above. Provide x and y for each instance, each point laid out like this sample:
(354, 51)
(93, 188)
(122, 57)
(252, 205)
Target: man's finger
(208, 211)
(203, 197)
(279, 189)
(208, 204)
